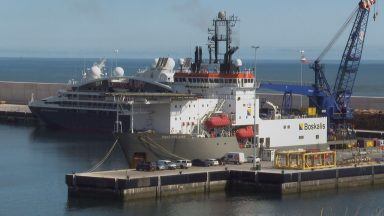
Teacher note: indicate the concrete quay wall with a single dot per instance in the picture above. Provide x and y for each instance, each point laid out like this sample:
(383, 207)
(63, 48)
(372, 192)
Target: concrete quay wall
(265, 181)
(21, 92)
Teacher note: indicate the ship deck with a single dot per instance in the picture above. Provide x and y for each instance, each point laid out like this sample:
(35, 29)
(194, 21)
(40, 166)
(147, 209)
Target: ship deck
(152, 95)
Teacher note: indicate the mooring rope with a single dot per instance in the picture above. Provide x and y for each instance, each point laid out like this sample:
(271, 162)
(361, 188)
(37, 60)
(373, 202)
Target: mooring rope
(158, 146)
(105, 157)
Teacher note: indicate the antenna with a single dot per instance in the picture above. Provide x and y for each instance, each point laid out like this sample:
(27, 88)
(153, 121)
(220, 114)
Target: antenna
(116, 51)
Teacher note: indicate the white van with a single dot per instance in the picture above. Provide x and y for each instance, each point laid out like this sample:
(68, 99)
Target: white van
(234, 157)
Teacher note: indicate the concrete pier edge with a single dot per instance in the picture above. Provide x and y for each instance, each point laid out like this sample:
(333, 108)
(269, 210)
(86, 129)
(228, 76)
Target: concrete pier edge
(206, 182)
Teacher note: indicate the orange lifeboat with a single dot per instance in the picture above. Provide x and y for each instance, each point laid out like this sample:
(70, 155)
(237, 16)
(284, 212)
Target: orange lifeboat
(218, 121)
(244, 133)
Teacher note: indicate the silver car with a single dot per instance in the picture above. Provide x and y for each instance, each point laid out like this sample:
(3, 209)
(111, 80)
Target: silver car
(167, 164)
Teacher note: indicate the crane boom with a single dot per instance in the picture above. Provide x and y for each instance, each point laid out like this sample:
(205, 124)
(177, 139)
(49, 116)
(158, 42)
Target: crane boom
(336, 101)
(350, 61)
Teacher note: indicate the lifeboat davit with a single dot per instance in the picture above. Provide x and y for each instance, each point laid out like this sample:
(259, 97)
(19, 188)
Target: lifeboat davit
(244, 133)
(218, 121)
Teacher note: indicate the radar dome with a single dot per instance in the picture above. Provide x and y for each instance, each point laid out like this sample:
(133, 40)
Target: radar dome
(181, 61)
(221, 15)
(119, 71)
(94, 73)
(238, 63)
(170, 64)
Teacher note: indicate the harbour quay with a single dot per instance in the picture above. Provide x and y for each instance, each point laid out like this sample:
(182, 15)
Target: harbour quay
(16, 113)
(131, 184)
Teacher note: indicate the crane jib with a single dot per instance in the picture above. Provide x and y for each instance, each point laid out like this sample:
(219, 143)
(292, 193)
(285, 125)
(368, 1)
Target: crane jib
(350, 62)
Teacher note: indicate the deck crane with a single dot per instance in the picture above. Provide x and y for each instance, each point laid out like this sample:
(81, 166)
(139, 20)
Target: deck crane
(334, 102)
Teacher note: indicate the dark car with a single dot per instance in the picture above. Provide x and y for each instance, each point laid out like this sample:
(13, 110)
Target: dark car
(200, 163)
(146, 166)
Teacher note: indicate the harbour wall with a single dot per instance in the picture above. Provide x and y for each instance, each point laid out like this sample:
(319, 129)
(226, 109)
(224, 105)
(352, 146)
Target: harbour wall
(204, 182)
(21, 92)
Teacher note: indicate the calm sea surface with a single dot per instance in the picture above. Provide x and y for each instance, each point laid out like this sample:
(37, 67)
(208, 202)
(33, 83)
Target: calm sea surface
(34, 160)
(369, 80)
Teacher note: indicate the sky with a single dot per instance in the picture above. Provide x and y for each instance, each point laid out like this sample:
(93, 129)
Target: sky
(152, 28)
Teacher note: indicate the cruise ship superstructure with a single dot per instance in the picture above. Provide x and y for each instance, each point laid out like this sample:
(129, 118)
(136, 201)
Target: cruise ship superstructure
(200, 108)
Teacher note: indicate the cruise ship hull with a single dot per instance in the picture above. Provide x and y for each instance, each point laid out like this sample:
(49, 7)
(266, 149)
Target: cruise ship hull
(79, 119)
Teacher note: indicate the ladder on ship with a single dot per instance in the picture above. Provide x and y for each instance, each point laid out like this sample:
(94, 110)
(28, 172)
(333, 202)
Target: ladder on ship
(122, 111)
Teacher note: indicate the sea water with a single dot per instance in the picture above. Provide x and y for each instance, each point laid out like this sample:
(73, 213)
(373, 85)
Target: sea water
(34, 160)
(369, 81)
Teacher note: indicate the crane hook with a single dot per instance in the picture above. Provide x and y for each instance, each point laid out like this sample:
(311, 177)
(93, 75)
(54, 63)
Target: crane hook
(375, 12)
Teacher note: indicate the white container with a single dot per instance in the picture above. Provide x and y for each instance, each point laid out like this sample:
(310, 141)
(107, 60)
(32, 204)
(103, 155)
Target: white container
(235, 157)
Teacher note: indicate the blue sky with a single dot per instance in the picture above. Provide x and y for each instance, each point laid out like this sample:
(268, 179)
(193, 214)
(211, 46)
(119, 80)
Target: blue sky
(150, 28)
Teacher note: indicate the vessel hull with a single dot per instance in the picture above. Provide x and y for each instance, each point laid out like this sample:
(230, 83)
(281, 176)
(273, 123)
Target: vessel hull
(166, 146)
(81, 120)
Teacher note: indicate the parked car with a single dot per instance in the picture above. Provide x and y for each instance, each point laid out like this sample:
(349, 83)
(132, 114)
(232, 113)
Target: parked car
(160, 166)
(250, 159)
(183, 164)
(234, 157)
(212, 162)
(146, 166)
(167, 164)
(200, 163)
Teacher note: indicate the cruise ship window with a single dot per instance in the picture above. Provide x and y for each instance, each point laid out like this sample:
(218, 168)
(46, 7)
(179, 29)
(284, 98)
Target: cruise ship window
(289, 126)
(317, 136)
(301, 137)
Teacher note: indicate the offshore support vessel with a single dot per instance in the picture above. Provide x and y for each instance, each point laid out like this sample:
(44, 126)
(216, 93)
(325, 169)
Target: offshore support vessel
(213, 109)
